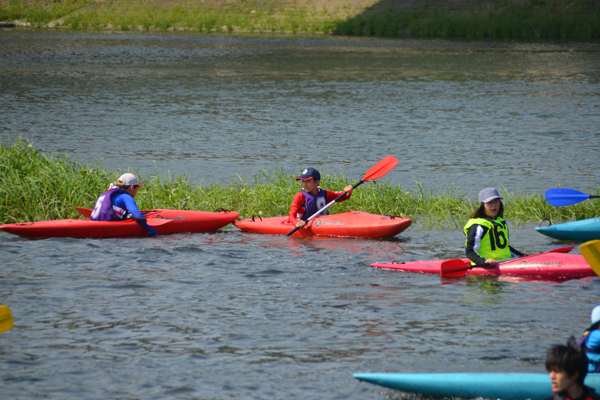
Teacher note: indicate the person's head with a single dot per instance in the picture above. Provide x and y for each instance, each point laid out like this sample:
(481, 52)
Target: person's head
(490, 204)
(310, 180)
(129, 183)
(566, 366)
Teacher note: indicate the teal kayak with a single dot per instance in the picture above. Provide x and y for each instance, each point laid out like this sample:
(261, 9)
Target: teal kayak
(506, 386)
(583, 230)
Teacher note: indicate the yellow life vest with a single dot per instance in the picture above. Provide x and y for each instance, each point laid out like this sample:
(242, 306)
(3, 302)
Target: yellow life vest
(494, 243)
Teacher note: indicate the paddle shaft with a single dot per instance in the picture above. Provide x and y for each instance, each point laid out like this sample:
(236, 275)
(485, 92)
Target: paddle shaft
(324, 208)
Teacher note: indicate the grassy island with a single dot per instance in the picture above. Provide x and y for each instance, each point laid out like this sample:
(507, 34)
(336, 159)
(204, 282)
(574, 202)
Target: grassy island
(36, 187)
(482, 19)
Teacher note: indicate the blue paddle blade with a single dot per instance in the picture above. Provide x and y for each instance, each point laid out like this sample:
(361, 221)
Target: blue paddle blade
(560, 197)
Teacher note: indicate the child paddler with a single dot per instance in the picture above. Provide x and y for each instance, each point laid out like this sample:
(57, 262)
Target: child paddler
(567, 368)
(487, 233)
(118, 203)
(312, 198)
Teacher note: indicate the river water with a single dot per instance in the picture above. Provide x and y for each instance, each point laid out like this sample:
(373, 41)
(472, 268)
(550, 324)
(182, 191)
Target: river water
(240, 316)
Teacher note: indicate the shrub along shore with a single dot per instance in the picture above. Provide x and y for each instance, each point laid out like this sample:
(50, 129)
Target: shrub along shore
(36, 187)
(483, 19)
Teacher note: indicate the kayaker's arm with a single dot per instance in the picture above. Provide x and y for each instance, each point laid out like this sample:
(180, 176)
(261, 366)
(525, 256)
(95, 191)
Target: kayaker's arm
(331, 195)
(296, 208)
(470, 251)
(150, 229)
(128, 202)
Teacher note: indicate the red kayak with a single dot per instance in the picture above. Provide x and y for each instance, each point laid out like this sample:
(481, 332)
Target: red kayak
(550, 265)
(164, 221)
(349, 224)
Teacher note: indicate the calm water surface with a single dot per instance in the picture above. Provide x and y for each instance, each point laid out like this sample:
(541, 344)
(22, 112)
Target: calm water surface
(241, 316)
(520, 116)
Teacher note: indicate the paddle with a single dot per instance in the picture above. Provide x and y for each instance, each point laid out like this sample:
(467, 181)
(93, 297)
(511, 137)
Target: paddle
(591, 252)
(6, 319)
(457, 268)
(86, 212)
(375, 172)
(565, 197)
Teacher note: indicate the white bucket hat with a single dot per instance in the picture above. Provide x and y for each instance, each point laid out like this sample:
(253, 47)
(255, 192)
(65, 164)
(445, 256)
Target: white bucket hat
(129, 179)
(595, 314)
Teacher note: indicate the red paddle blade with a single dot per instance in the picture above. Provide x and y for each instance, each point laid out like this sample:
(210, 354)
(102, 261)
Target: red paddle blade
(561, 249)
(381, 168)
(456, 268)
(157, 221)
(86, 212)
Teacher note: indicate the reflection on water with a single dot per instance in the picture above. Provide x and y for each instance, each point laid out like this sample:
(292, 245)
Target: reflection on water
(473, 113)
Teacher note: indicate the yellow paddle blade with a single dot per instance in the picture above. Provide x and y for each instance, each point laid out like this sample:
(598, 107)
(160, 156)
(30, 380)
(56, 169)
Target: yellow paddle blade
(6, 319)
(591, 252)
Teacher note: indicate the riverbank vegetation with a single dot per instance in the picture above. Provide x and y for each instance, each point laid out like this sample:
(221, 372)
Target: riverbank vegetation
(36, 187)
(482, 19)
(497, 19)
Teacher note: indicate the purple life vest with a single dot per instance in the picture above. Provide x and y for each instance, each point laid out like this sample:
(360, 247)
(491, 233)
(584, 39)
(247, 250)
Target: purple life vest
(104, 209)
(313, 203)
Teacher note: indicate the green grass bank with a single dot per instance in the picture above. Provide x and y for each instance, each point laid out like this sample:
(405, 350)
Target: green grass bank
(482, 19)
(35, 186)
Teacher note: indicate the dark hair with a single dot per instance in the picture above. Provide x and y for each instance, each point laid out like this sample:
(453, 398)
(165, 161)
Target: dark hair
(480, 212)
(569, 360)
(126, 187)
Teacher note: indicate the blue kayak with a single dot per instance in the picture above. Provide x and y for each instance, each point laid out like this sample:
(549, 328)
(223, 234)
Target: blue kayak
(469, 385)
(583, 230)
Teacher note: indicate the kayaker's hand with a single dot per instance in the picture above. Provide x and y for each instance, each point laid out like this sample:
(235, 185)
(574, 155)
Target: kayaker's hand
(348, 189)
(491, 263)
(300, 224)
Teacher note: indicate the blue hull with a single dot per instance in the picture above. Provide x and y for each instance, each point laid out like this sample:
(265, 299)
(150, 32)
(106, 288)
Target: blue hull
(506, 386)
(584, 230)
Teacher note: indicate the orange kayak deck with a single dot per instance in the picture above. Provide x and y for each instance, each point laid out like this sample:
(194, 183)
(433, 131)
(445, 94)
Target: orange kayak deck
(349, 224)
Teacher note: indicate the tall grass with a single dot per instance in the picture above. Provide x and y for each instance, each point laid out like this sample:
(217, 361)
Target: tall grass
(35, 187)
(241, 16)
(39, 13)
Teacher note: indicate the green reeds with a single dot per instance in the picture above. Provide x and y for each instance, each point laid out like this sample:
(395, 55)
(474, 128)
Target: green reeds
(251, 16)
(39, 13)
(36, 187)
